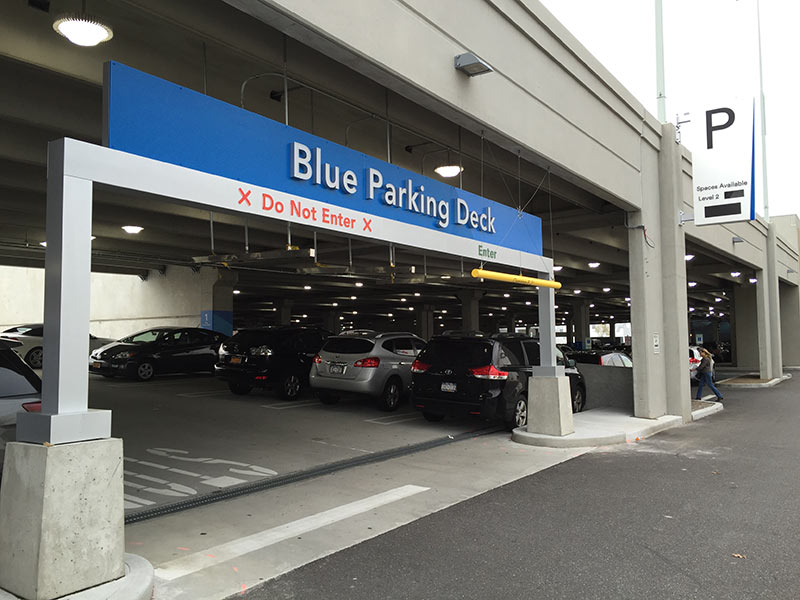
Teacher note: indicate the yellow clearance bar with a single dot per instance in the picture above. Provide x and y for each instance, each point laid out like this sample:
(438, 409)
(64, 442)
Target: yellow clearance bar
(516, 279)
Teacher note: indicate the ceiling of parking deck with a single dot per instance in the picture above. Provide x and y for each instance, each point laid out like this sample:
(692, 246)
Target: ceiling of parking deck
(55, 92)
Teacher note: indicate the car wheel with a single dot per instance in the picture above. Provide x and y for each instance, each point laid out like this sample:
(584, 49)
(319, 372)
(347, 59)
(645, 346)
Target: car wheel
(578, 399)
(34, 358)
(432, 417)
(327, 398)
(240, 389)
(290, 387)
(145, 371)
(392, 392)
(519, 418)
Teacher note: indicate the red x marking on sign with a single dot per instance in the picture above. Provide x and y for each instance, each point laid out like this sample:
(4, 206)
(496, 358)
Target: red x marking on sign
(245, 196)
(367, 224)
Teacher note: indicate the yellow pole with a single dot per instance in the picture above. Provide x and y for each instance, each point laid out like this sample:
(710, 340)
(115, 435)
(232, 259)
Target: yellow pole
(516, 278)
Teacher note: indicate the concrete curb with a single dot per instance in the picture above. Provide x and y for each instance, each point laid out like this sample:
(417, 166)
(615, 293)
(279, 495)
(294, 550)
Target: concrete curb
(625, 429)
(708, 410)
(136, 584)
(767, 384)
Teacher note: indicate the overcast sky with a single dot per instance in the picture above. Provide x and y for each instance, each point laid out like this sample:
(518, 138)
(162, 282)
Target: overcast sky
(711, 52)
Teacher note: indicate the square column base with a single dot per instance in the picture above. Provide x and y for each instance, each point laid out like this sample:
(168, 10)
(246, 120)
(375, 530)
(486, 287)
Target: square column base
(550, 405)
(61, 518)
(63, 428)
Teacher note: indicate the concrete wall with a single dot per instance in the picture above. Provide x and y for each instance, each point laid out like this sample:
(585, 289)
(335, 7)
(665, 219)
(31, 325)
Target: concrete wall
(120, 304)
(608, 386)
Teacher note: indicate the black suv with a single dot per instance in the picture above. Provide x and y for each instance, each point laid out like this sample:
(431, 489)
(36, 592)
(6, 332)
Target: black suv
(278, 357)
(473, 374)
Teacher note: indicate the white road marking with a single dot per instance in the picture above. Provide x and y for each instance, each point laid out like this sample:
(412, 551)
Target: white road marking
(288, 405)
(246, 469)
(192, 563)
(138, 500)
(223, 482)
(392, 419)
(204, 394)
(345, 447)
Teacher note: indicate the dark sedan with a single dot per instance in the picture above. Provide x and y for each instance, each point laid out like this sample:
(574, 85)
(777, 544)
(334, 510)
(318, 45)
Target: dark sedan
(157, 351)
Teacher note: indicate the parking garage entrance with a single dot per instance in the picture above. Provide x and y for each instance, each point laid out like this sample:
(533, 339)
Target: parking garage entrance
(158, 150)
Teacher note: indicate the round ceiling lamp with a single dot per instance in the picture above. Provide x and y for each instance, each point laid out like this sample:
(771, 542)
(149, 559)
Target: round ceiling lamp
(448, 170)
(82, 30)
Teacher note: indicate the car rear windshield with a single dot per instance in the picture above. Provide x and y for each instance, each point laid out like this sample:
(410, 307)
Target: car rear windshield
(348, 345)
(458, 353)
(15, 378)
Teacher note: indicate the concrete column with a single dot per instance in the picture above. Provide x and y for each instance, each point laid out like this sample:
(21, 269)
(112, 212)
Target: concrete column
(790, 324)
(763, 325)
(674, 307)
(771, 273)
(470, 309)
(217, 314)
(285, 311)
(745, 327)
(332, 321)
(581, 319)
(425, 324)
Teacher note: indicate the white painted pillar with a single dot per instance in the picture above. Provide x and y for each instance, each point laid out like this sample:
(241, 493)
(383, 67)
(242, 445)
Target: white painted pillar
(771, 273)
(65, 415)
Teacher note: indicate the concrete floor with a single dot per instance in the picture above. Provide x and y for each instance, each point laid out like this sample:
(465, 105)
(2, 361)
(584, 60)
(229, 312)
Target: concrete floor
(188, 436)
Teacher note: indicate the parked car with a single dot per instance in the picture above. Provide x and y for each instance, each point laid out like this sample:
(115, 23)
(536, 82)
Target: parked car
(278, 357)
(478, 375)
(606, 359)
(365, 362)
(158, 351)
(694, 361)
(18, 383)
(31, 338)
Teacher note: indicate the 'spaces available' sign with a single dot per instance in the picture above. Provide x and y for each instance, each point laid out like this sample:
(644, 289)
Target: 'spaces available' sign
(722, 140)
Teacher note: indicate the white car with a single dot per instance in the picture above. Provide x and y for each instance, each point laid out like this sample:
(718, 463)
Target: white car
(31, 339)
(18, 384)
(694, 361)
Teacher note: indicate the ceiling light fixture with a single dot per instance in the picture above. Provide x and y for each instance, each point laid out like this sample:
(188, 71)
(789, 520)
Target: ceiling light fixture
(132, 229)
(471, 65)
(352, 297)
(448, 171)
(594, 265)
(576, 292)
(735, 274)
(417, 294)
(359, 284)
(606, 290)
(692, 283)
(237, 291)
(753, 280)
(688, 257)
(82, 29)
(306, 287)
(557, 268)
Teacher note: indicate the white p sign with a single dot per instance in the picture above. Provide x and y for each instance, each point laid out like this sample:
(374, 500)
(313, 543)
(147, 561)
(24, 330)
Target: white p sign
(722, 140)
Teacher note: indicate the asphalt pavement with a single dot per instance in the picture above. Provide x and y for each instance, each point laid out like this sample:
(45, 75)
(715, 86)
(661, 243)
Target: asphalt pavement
(706, 511)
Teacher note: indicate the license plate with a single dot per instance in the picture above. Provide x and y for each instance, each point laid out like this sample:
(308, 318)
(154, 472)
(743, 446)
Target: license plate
(97, 365)
(448, 387)
(336, 369)
(235, 360)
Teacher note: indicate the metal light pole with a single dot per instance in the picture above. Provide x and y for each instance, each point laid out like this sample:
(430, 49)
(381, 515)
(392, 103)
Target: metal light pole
(660, 86)
(763, 115)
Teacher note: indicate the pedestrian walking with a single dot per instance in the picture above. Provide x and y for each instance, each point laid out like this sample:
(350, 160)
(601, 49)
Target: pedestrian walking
(704, 375)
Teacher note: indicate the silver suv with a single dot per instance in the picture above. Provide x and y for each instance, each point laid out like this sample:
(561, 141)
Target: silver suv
(365, 362)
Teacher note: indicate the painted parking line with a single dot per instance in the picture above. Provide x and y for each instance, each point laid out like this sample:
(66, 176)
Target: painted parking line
(205, 394)
(288, 405)
(393, 419)
(209, 557)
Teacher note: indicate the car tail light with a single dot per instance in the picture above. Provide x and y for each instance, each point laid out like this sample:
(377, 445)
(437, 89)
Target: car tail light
(372, 361)
(488, 372)
(693, 361)
(419, 367)
(317, 359)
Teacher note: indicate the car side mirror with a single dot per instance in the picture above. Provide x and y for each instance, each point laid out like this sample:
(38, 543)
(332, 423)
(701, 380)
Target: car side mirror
(571, 363)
